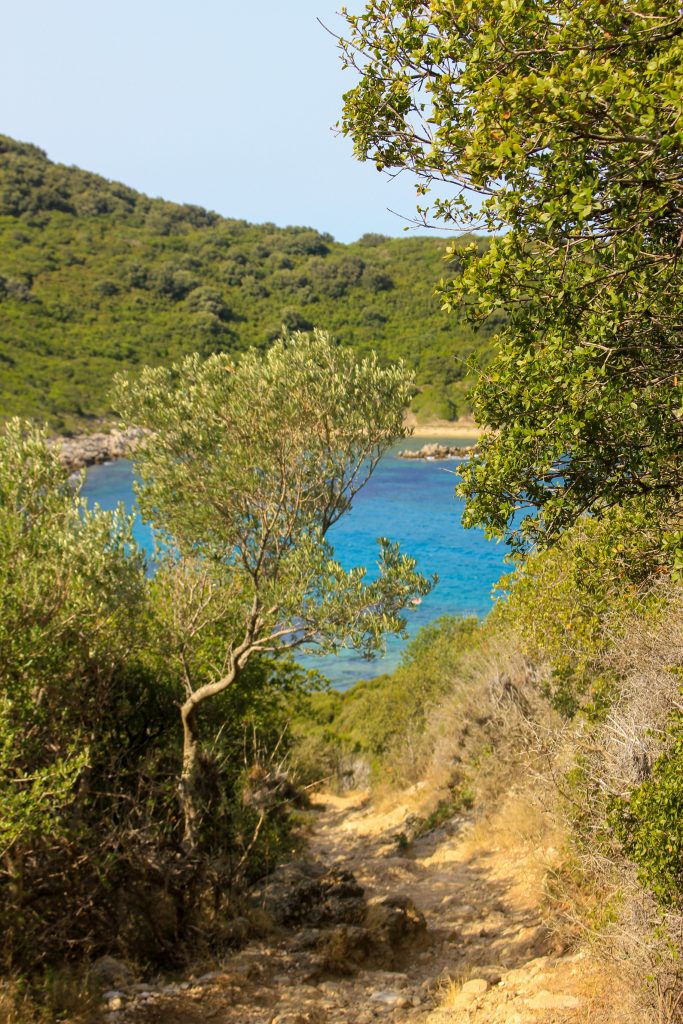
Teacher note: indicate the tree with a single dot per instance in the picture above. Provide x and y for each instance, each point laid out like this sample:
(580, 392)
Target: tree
(248, 467)
(558, 126)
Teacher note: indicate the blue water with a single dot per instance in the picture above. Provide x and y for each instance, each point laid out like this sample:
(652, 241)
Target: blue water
(410, 501)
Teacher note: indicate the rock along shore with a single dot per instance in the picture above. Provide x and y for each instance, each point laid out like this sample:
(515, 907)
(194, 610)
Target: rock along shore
(437, 451)
(92, 449)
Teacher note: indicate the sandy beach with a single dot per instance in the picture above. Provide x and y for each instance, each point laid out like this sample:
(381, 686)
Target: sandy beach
(443, 428)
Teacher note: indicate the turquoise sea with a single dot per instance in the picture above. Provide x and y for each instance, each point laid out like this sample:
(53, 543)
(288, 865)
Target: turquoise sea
(410, 501)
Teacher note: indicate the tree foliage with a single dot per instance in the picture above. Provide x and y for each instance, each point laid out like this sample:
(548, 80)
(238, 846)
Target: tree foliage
(558, 126)
(71, 580)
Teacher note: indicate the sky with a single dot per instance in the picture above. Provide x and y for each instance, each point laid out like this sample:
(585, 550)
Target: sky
(228, 105)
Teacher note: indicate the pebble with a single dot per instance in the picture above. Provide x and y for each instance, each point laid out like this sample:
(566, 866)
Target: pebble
(329, 988)
(551, 1001)
(114, 999)
(475, 987)
(390, 998)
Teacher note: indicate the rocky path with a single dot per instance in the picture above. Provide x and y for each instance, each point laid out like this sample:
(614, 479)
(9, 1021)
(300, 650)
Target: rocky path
(442, 930)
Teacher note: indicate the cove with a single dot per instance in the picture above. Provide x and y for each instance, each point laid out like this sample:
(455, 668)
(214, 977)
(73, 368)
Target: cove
(409, 501)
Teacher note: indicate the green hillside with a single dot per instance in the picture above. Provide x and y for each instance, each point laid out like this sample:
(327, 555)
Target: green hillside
(96, 278)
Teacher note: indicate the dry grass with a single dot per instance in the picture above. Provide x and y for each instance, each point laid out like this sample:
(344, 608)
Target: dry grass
(479, 725)
(597, 891)
(63, 995)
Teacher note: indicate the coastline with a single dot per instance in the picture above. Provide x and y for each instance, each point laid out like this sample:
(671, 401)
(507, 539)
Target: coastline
(462, 427)
(82, 450)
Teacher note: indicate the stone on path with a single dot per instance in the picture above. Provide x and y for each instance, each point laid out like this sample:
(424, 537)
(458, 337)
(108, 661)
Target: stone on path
(475, 987)
(111, 973)
(390, 998)
(553, 1001)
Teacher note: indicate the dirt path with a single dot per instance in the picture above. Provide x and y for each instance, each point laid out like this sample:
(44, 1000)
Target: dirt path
(458, 937)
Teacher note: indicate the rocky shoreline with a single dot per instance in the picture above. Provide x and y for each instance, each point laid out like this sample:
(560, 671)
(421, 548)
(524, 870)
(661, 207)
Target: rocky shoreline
(93, 449)
(437, 451)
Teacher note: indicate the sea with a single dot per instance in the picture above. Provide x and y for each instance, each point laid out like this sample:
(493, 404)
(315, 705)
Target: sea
(411, 501)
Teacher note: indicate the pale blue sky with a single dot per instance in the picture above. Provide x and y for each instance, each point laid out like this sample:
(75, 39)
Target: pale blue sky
(226, 104)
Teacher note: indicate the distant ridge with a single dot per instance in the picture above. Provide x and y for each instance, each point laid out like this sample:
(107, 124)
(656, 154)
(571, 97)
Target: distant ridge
(97, 278)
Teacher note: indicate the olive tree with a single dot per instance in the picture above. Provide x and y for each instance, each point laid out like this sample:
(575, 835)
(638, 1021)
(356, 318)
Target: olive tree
(247, 467)
(556, 126)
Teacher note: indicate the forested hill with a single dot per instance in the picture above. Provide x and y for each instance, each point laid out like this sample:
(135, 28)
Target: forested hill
(96, 278)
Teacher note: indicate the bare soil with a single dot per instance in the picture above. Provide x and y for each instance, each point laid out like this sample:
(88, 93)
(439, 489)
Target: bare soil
(486, 955)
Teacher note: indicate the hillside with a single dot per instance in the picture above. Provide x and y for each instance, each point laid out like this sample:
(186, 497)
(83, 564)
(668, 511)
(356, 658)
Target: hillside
(97, 278)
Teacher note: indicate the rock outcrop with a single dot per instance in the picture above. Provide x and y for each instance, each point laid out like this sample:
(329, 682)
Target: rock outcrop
(437, 451)
(91, 449)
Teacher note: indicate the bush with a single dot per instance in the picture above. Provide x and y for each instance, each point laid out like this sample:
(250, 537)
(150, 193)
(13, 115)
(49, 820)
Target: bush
(89, 741)
(649, 823)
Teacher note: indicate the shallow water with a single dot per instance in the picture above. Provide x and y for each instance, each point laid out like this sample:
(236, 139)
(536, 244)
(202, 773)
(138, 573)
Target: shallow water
(410, 501)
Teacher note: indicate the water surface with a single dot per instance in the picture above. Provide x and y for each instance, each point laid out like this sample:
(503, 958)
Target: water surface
(410, 501)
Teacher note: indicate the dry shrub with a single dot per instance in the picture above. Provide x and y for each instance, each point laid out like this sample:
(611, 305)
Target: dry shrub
(62, 995)
(644, 655)
(600, 892)
(492, 730)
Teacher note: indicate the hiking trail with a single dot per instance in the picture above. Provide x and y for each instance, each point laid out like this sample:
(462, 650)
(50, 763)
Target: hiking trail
(444, 929)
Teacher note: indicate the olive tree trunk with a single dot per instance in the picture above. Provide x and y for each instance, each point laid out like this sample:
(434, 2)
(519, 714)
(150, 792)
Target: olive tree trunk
(187, 784)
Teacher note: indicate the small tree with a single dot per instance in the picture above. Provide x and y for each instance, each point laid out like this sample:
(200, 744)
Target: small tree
(248, 467)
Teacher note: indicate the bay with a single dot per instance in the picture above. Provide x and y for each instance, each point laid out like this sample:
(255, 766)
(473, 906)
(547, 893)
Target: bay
(406, 500)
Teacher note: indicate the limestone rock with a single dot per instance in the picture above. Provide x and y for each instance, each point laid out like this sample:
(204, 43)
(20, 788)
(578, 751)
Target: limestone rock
(436, 451)
(553, 1001)
(90, 449)
(390, 998)
(395, 920)
(303, 895)
(345, 948)
(475, 987)
(114, 999)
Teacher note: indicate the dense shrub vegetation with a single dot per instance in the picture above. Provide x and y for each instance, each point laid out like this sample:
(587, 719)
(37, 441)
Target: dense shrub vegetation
(89, 743)
(96, 278)
(559, 129)
(126, 825)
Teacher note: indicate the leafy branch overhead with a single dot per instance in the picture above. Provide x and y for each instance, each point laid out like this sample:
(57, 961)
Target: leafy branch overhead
(558, 127)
